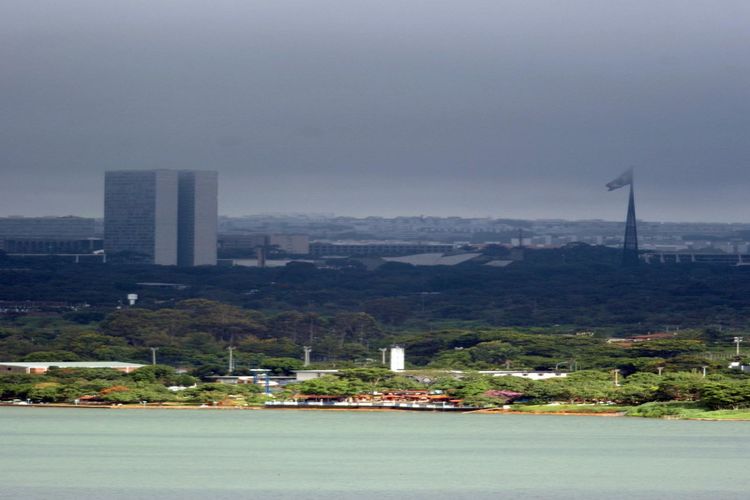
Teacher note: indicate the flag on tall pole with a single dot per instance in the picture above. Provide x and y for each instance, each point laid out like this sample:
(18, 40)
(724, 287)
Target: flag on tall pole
(630, 245)
(625, 179)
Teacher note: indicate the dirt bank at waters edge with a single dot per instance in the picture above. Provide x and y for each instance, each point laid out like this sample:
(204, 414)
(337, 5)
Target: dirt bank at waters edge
(361, 409)
(561, 413)
(132, 407)
(222, 408)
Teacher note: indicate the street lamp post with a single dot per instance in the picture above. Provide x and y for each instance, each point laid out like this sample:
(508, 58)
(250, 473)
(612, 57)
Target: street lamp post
(153, 354)
(382, 350)
(307, 350)
(737, 341)
(231, 358)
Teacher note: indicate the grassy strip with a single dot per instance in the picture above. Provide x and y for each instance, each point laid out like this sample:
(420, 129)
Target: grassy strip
(594, 409)
(686, 411)
(675, 410)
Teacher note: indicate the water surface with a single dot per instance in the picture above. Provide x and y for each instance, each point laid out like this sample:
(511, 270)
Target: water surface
(284, 454)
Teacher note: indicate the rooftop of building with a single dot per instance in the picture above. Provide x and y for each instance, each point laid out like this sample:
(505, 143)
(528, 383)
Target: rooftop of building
(379, 242)
(71, 364)
(433, 259)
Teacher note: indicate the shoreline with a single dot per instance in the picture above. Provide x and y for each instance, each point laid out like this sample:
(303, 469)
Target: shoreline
(467, 411)
(484, 411)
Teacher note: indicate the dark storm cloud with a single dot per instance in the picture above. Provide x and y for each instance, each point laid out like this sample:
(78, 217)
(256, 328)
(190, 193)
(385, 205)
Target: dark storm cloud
(496, 108)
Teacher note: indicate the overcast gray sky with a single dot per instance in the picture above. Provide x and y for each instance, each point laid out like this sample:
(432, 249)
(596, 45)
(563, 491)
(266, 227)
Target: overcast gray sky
(504, 108)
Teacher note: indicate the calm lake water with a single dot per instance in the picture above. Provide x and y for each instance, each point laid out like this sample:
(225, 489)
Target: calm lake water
(133, 454)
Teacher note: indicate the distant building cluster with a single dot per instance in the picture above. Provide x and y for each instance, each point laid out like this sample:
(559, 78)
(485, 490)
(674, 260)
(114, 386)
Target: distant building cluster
(292, 244)
(166, 217)
(169, 217)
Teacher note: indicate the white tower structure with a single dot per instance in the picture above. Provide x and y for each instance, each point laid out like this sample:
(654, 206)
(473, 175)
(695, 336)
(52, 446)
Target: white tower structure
(397, 359)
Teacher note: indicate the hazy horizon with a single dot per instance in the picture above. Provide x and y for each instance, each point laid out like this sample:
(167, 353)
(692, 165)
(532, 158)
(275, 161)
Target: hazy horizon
(427, 215)
(508, 109)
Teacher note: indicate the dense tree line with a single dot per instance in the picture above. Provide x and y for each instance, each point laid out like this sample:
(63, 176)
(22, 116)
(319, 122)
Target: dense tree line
(579, 285)
(468, 317)
(162, 384)
(716, 391)
(107, 386)
(196, 334)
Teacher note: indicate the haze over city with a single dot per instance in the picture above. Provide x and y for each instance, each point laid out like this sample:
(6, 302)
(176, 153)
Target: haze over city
(477, 108)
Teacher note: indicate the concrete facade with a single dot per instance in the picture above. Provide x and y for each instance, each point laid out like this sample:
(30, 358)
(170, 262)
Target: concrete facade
(374, 248)
(197, 218)
(165, 217)
(68, 228)
(50, 246)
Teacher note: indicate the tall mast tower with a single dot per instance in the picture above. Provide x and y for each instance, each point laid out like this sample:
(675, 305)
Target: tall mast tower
(630, 245)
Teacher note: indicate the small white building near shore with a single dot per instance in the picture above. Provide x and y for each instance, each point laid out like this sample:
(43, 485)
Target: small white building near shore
(302, 375)
(532, 375)
(41, 367)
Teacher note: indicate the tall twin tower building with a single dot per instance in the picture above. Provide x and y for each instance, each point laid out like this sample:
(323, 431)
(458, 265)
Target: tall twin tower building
(165, 217)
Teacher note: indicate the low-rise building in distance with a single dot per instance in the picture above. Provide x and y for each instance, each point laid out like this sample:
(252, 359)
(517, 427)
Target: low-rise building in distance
(375, 248)
(67, 228)
(246, 243)
(48, 235)
(41, 367)
(51, 246)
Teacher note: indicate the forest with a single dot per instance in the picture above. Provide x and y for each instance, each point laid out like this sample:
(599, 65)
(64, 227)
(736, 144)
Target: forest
(554, 308)
(579, 285)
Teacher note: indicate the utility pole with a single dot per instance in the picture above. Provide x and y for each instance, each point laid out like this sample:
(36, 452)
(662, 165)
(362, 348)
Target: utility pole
(737, 341)
(660, 369)
(307, 350)
(231, 358)
(617, 379)
(153, 354)
(382, 350)
(704, 371)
